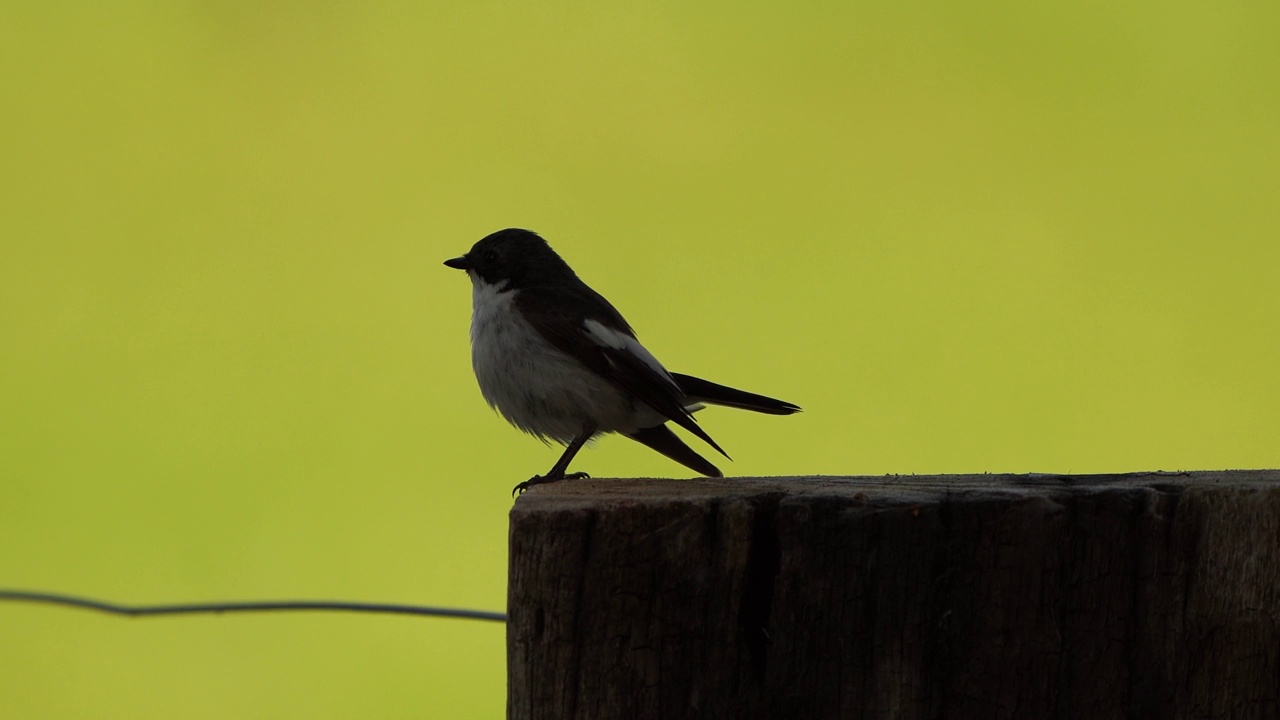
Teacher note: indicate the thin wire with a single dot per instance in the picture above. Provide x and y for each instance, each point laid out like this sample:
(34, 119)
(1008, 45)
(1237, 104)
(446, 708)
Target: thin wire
(228, 607)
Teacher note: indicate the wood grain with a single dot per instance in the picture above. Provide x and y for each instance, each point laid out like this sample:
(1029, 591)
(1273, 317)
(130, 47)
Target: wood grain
(1144, 595)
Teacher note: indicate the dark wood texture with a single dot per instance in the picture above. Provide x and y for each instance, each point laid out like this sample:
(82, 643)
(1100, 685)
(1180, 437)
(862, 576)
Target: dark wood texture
(1146, 595)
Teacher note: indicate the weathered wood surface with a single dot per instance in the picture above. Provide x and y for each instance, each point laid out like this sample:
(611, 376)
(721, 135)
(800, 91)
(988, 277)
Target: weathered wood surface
(1146, 595)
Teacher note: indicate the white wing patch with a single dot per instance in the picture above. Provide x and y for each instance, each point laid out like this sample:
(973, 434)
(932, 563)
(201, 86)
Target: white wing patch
(611, 338)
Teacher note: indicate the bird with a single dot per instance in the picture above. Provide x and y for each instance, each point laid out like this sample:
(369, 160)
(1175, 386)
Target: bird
(558, 361)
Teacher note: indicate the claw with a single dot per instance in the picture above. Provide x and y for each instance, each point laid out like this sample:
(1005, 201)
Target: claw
(544, 479)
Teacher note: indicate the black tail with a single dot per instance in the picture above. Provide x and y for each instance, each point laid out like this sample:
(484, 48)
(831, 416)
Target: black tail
(699, 390)
(661, 438)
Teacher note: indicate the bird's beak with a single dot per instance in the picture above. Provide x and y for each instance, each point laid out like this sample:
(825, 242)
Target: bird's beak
(458, 263)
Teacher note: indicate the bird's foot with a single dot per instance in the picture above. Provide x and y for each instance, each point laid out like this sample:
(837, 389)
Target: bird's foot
(544, 479)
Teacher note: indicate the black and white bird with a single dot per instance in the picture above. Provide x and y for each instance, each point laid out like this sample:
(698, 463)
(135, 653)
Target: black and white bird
(559, 362)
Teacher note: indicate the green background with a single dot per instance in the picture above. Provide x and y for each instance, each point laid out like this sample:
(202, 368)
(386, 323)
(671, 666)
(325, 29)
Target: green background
(965, 237)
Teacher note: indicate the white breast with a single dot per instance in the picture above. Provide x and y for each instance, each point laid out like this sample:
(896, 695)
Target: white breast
(535, 386)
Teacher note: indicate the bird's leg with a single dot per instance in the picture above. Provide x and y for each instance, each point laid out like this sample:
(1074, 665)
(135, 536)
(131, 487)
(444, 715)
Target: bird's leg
(557, 471)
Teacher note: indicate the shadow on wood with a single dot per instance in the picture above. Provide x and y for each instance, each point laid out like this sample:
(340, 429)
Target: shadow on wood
(1146, 595)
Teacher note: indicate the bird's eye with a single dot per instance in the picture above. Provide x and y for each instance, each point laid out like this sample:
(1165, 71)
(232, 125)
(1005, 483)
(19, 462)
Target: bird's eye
(491, 257)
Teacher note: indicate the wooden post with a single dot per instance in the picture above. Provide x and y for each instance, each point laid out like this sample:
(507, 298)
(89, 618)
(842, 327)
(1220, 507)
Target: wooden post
(1146, 595)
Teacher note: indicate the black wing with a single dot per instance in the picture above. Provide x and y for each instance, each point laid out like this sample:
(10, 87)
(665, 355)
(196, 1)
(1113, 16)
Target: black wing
(561, 315)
